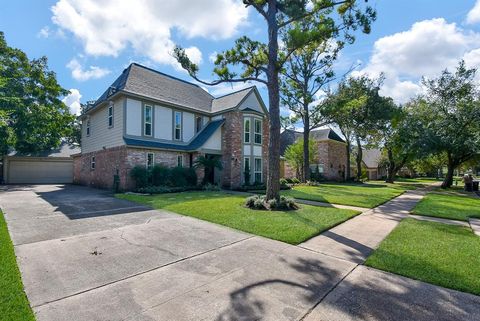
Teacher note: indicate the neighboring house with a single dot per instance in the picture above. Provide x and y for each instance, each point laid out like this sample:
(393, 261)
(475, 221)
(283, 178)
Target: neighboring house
(50, 167)
(371, 159)
(332, 153)
(147, 117)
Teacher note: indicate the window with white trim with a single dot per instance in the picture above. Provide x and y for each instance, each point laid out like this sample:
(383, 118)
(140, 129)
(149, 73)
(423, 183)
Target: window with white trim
(147, 120)
(177, 135)
(150, 160)
(247, 169)
(92, 162)
(258, 170)
(258, 131)
(110, 115)
(246, 130)
(180, 161)
(88, 127)
(198, 124)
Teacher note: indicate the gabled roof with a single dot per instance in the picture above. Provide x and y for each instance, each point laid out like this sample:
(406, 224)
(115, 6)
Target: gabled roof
(371, 157)
(64, 150)
(231, 100)
(288, 137)
(194, 145)
(152, 84)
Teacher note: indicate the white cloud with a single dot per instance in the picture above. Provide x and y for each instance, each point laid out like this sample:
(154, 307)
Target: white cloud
(212, 57)
(425, 49)
(44, 32)
(72, 100)
(106, 28)
(473, 15)
(80, 74)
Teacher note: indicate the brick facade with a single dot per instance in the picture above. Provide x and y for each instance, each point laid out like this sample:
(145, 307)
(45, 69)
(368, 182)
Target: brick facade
(121, 160)
(333, 156)
(232, 144)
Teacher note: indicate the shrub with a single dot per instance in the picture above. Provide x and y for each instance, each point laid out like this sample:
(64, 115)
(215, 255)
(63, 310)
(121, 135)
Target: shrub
(258, 202)
(166, 189)
(283, 181)
(295, 180)
(140, 175)
(289, 180)
(211, 187)
(161, 176)
(181, 176)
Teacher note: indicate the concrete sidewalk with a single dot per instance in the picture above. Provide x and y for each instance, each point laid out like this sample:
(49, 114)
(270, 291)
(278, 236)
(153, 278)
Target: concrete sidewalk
(355, 239)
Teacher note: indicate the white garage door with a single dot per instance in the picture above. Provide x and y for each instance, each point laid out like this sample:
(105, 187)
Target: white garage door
(46, 171)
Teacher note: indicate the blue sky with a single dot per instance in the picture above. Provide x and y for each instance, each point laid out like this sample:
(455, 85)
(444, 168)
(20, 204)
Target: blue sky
(88, 43)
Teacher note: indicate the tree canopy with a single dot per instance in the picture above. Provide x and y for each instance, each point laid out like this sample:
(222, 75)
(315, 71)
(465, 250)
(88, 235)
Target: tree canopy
(32, 115)
(449, 112)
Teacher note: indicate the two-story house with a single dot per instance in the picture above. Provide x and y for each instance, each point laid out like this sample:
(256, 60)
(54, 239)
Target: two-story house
(147, 117)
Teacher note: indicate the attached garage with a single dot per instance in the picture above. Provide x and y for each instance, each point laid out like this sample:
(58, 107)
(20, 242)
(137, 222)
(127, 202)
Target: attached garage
(53, 167)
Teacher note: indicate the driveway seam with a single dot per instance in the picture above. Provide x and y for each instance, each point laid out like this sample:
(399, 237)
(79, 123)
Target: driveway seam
(141, 273)
(328, 292)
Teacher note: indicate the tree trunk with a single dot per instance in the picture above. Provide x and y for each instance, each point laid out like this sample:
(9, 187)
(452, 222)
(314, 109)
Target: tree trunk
(306, 151)
(347, 170)
(273, 175)
(448, 181)
(359, 158)
(391, 172)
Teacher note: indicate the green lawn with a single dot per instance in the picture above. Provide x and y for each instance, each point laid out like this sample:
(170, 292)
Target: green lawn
(356, 194)
(449, 204)
(441, 254)
(292, 227)
(14, 305)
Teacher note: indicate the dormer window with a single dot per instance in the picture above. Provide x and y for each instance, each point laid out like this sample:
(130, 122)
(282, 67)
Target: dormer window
(110, 115)
(147, 120)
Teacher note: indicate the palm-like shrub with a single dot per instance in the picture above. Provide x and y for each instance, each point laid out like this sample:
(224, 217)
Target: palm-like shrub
(209, 164)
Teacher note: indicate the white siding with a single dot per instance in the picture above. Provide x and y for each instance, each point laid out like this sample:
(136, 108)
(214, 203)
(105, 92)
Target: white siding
(215, 141)
(252, 102)
(100, 134)
(134, 117)
(257, 150)
(218, 117)
(247, 150)
(163, 123)
(188, 126)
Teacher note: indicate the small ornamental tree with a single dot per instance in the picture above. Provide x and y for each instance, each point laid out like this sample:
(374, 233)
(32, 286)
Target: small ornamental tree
(263, 61)
(294, 155)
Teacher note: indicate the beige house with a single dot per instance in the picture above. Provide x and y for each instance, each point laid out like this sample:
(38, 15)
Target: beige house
(147, 117)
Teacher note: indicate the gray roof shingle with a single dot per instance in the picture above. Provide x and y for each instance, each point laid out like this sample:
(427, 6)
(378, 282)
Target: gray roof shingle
(288, 137)
(150, 83)
(230, 100)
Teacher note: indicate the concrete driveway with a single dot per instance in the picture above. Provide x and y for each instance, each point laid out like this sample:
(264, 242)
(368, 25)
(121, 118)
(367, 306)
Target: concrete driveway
(87, 256)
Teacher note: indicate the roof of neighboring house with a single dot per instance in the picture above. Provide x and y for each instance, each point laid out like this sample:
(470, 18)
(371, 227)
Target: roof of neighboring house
(153, 84)
(64, 150)
(371, 157)
(194, 145)
(288, 137)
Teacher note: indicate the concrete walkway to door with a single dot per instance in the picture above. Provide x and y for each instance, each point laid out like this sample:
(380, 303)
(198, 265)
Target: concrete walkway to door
(85, 255)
